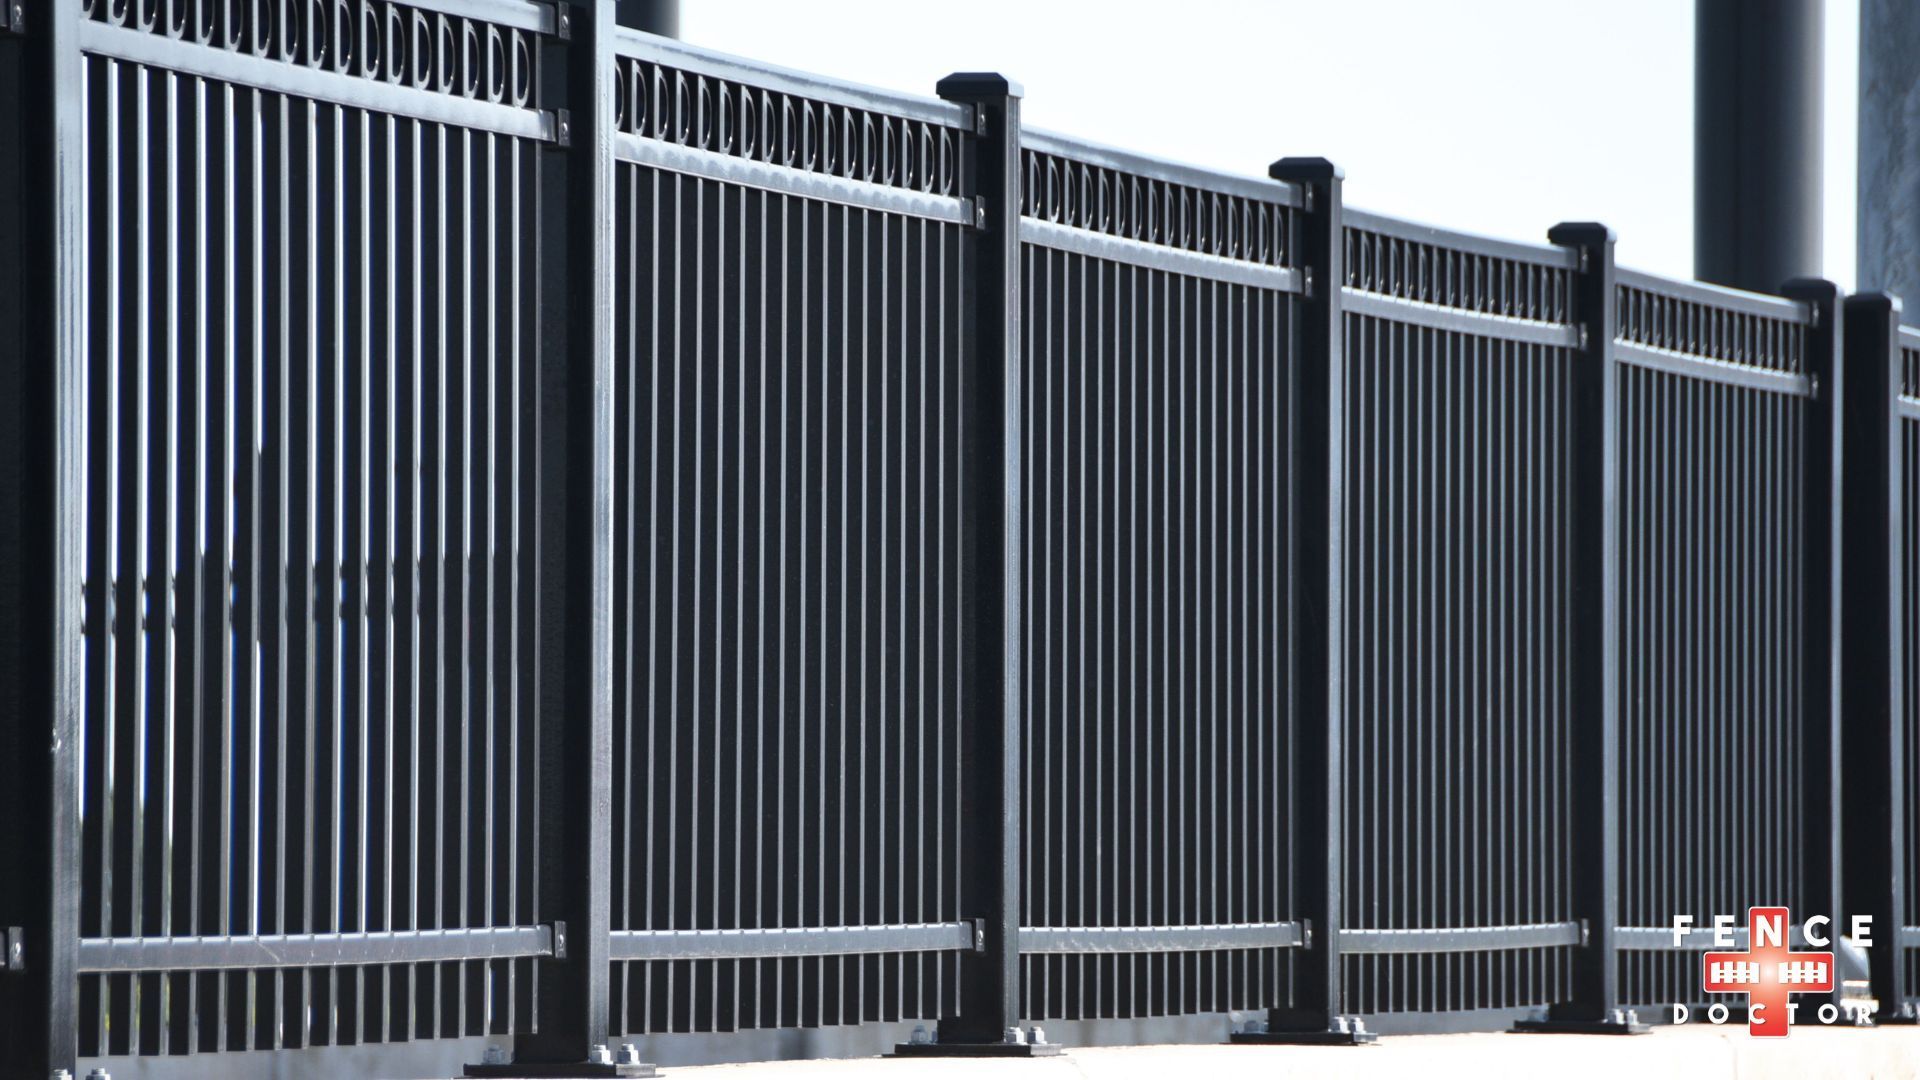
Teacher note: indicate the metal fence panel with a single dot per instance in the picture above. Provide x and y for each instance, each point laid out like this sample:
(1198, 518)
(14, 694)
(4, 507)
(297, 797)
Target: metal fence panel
(1159, 337)
(1457, 753)
(792, 354)
(1716, 412)
(307, 597)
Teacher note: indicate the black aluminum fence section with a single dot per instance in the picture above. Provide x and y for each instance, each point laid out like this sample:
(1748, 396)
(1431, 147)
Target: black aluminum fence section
(1159, 322)
(1717, 552)
(308, 652)
(791, 260)
(875, 534)
(1458, 823)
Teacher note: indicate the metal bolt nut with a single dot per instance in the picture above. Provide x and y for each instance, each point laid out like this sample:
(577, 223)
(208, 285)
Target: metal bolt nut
(629, 1054)
(99, 1074)
(495, 1055)
(1014, 1037)
(600, 1055)
(919, 1036)
(1340, 1025)
(1036, 1036)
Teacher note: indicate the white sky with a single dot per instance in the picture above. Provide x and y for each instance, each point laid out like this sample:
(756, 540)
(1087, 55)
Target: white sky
(1492, 116)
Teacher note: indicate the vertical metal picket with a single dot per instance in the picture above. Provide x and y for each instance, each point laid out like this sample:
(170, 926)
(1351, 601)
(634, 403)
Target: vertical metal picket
(991, 502)
(1594, 648)
(1873, 642)
(1316, 398)
(41, 385)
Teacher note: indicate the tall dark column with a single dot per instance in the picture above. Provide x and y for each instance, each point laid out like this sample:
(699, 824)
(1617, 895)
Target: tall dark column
(1872, 646)
(1756, 141)
(1593, 586)
(42, 368)
(654, 16)
(1317, 389)
(989, 1020)
(576, 498)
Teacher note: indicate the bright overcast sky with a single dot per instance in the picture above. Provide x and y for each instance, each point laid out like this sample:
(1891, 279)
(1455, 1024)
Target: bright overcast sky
(1492, 116)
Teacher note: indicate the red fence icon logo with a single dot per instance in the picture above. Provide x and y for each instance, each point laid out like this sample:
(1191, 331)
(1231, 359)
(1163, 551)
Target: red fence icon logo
(1767, 972)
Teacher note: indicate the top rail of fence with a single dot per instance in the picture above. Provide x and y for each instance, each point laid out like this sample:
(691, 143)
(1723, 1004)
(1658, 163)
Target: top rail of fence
(1718, 297)
(694, 60)
(1715, 334)
(533, 15)
(1545, 255)
(1167, 170)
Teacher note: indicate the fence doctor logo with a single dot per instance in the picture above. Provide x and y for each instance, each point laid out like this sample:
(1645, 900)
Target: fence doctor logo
(1769, 971)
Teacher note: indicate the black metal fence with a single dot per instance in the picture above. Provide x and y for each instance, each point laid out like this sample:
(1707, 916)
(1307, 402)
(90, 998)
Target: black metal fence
(1880, 680)
(1459, 821)
(1727, 726)
(518, 527)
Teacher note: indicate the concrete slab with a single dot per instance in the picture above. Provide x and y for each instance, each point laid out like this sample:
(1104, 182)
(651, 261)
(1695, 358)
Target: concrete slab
(1695, 1052)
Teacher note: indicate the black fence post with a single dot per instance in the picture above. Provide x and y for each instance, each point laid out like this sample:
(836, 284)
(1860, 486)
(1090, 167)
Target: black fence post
(989, 1007)
(576, 562)
(1593, 528)
(41, 403)
(1317, 407)
(1824, 560)
(1873, 644)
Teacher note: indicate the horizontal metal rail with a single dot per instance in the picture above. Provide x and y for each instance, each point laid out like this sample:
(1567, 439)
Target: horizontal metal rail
(1076, 940)
(697, 61)
(1139, 253)
(1719, 371)
(315, 950)
(772, 942)
(1148, 167)
(541, 18)
(1732, 301)
(294, 80)
(1909, 407)
(1459, 320)
(1462, 243)
(1696, 939)
(746, 172)
(1452, 939)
